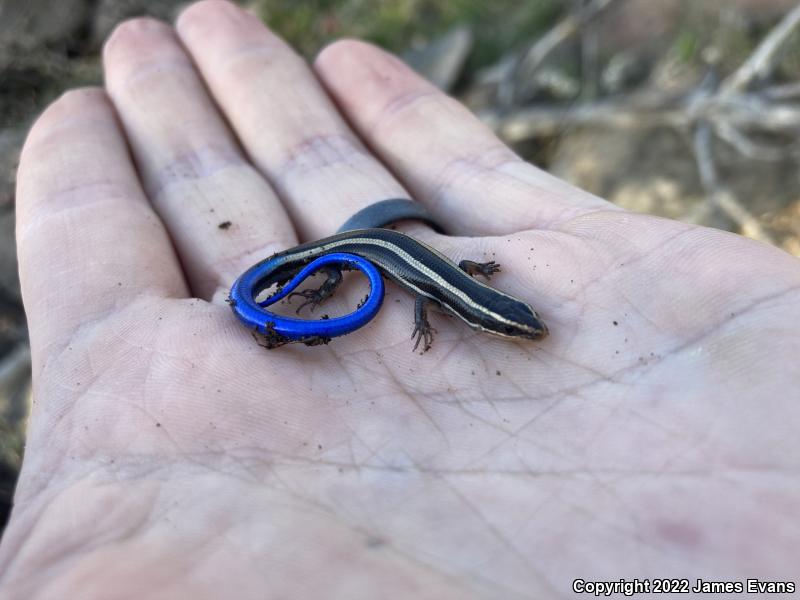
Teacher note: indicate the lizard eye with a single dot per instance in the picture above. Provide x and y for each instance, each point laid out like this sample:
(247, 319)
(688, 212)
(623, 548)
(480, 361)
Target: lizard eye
(509, 329)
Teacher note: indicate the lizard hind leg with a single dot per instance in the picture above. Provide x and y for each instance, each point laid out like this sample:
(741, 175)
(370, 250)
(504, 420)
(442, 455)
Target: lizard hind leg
(473, 268)
(315, 297)
(423, 332)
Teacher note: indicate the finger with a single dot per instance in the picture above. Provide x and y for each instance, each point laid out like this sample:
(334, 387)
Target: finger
(441, 152)
(88, 240)
(220, 212)
(285, 120)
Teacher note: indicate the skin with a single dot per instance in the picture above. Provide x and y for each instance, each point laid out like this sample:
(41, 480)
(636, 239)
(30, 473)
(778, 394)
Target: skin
(652, 434)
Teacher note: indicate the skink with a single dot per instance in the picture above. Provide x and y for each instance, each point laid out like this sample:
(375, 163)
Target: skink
(430, 276)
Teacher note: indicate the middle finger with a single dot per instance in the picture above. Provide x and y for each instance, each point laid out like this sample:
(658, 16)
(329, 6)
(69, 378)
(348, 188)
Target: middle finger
(289, 126)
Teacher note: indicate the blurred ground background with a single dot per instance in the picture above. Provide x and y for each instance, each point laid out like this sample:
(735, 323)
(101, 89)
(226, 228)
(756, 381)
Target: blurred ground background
(684, 108)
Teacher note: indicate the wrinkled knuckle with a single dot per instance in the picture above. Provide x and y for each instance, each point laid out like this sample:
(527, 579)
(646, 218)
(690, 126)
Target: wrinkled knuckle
(408, 110)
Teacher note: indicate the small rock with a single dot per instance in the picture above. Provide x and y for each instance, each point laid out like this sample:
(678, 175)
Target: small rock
(27, 24)
(10, 144)
(9, 282)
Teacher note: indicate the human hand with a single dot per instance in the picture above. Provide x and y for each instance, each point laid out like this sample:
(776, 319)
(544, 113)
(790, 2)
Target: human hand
(653, 434)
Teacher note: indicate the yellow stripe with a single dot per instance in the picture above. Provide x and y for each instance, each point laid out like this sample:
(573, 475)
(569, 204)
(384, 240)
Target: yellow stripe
(422, 268)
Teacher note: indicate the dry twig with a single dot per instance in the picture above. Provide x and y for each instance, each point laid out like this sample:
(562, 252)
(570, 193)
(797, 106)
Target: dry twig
(537, 53)
(728, 111)
(745, 113)
(717, 195)
(762, 59)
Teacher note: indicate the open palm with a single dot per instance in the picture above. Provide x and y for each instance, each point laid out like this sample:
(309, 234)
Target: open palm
(653, 434)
